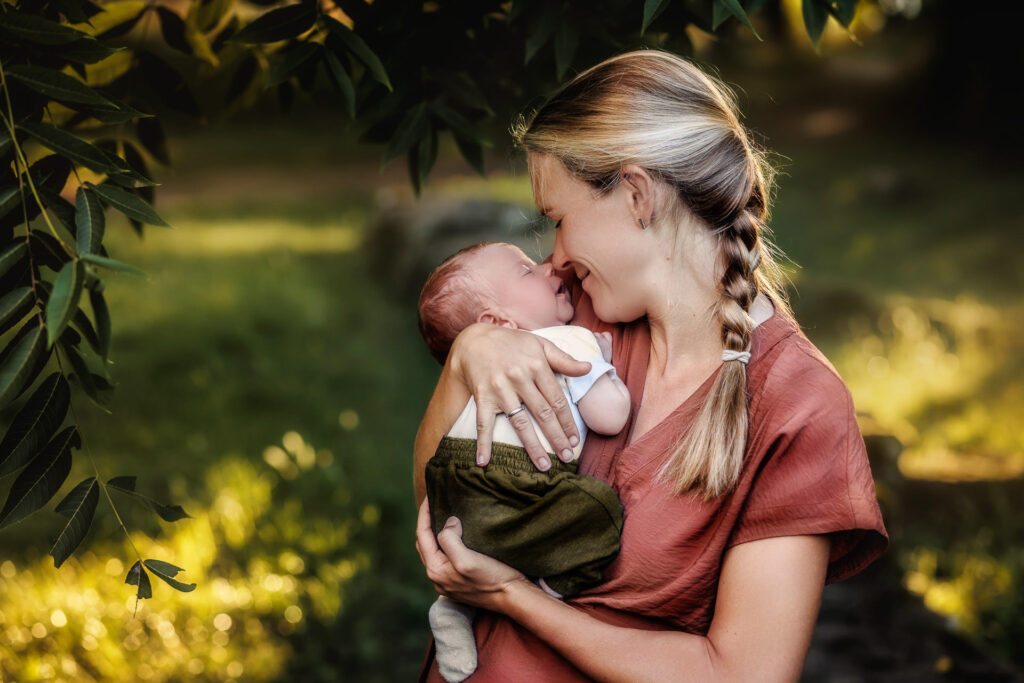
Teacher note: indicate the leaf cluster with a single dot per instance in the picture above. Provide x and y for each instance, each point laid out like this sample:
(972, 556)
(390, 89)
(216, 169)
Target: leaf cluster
(57, 111)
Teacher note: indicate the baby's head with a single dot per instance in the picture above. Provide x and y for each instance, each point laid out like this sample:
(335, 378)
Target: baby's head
(491, 282)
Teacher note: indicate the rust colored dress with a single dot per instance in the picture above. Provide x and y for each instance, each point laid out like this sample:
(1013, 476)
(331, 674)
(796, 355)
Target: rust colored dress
(805, 471)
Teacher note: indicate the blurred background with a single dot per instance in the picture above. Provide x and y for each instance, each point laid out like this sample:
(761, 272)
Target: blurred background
(270, 377)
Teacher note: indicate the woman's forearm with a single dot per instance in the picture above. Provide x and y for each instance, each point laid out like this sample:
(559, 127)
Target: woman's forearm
(605, 652)
(767, 603)
(449, 398)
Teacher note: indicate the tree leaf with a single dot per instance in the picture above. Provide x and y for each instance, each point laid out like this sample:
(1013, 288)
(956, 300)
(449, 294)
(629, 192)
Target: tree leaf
(410, 130)
(78, 506)
(13, 306)
(459, 124)
(172, 28)
(57, 85)
(41, 478)
(358, 47)
(12, 256)
(242, 79)
(89, 221)
(279, 24)
(473, 153)
(59, 207)
(422, 159)
(30, 28)
(168, 513)
(815, 18)
(652, 8)
(137, 576)
(843, 10)
(151, 135)
(129, 204)
(69, 146)
(64, 299)
(105, 262)
(84, 325)
(19, 358)
(167, 572)
(10, 198)
(35, 423)
(567, 40)
(342, 80)
(86, 379)
(87, 50)
(541, 30)
(287, 61)
(102, 316)
(737, 11)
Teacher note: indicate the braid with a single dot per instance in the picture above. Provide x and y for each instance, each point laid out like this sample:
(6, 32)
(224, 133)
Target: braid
(741, 253)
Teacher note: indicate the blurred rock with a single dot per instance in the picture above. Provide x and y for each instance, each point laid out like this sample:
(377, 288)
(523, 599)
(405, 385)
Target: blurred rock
(406, 241)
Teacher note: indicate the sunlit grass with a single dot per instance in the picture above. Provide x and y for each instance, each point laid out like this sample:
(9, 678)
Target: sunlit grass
(940, 375)
(263, 565)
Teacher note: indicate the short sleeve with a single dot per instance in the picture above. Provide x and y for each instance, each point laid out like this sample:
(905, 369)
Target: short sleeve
(813, 477)
(581, 344)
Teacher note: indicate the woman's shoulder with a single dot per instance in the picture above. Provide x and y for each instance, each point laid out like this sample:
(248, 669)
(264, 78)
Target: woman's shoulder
(788, 373)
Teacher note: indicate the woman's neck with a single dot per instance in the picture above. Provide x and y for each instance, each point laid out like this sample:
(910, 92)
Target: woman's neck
(684, 340)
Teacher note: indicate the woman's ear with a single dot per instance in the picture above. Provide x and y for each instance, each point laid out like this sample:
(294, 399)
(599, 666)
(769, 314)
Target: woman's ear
(495, 318)
(642, 192)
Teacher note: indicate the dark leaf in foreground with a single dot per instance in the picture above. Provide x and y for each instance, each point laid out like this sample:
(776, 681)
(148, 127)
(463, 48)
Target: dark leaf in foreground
(137, 576)
(78, 506)
(64, 300)
(41, 478)
(19, 358)
(35, 423)
(167, 572)
(279, 24)
(168, 513)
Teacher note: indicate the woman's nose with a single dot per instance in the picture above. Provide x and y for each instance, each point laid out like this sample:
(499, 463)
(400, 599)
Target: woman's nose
(559, 261)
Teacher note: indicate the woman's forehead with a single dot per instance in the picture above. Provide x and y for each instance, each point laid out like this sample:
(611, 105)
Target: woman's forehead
(540, 179)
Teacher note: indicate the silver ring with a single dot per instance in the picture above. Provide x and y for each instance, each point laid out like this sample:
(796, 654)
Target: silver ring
(521, 408)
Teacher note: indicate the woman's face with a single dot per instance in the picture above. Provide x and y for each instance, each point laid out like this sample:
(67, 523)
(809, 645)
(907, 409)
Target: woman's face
(598, 236)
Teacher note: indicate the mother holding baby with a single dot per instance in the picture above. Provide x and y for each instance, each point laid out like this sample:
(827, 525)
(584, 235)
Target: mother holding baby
(742, 473)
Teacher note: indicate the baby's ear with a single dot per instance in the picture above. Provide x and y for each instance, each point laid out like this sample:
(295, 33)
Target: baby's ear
(492, 318)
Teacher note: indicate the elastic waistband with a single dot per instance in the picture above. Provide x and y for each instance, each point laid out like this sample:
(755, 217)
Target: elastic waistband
(462, 454)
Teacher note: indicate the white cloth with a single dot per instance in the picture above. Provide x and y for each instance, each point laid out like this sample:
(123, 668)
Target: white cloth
(578, 342)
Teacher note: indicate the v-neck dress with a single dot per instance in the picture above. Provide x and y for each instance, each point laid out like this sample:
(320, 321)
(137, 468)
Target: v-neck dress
(805, 471)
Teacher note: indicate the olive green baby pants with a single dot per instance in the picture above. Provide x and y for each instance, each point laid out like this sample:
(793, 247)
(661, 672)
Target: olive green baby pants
(557, 525)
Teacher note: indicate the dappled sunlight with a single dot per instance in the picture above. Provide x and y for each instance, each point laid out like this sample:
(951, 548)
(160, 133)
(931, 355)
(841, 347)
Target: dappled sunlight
(228, 238)
(969, 588)
(263, 564)
(933, 373)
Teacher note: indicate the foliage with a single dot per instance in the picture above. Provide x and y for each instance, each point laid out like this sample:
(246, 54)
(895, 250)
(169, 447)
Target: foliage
(85, 85)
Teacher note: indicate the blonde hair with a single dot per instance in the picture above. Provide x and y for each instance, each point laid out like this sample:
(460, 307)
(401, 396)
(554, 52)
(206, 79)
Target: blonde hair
(662, 113)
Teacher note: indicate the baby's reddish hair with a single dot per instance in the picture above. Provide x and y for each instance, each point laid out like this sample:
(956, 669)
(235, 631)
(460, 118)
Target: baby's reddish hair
(449, 303)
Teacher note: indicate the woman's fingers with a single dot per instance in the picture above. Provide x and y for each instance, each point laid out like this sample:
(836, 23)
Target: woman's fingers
(486, 409)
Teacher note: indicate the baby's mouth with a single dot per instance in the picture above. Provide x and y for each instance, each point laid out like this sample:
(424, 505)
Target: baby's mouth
(561, 290)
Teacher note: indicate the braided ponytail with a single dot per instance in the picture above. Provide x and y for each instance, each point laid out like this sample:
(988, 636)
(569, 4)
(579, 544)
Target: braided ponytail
(661, 112)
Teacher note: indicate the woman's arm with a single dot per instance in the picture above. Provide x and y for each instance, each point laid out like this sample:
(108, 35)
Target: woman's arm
(504, 368)
(769, 593)
(449, 399)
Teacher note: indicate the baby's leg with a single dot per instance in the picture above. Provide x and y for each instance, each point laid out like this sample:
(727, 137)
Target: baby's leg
(452, 624)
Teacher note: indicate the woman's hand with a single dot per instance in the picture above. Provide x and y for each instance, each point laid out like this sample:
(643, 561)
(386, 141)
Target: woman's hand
(458, 572)
(506, 368)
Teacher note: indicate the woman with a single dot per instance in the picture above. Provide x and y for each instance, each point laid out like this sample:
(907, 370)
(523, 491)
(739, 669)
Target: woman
(743, 476)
